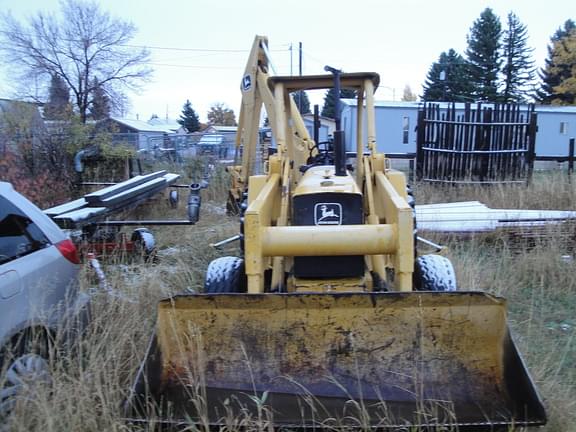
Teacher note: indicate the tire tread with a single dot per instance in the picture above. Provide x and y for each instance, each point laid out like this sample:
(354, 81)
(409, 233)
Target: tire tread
(225, 275)
(434, 273)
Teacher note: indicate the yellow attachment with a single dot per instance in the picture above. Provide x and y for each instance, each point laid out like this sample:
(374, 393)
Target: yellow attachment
(365, 359)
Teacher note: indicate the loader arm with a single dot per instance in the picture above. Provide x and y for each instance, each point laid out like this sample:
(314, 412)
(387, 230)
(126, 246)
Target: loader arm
(256, 93)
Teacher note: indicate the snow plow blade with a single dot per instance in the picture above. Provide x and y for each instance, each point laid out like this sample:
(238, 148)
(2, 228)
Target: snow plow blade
(385, 360)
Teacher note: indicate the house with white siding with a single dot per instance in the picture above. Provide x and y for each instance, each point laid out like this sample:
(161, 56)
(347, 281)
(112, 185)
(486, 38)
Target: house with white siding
(143, 135)
(396, 126)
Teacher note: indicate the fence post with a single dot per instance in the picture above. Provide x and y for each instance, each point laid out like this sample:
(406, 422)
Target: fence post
(531, 156)
(487, 120)
(419, 144)
(571, 156)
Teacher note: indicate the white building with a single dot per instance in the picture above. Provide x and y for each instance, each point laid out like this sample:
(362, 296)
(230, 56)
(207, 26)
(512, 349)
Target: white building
(143, 135)
(326, 129)
(396, 126)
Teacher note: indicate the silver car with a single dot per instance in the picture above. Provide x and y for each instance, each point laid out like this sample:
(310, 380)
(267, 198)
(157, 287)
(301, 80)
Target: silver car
(39, 294)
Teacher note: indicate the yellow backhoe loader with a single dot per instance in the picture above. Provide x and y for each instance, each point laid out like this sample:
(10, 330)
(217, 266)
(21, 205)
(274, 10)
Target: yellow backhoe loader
(329, 319)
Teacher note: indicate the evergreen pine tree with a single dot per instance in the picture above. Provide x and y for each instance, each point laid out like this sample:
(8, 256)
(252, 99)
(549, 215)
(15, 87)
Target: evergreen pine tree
(189, 119)
(483, 54)
(448, 79)
(518, 70)
(553, 75)
(100, 105)
(564, 60)
(328, 109)
(408, 95)
(561, 33)
(302, 102)
(58, 106)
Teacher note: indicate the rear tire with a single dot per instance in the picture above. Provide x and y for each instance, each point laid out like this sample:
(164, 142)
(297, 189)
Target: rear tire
(412, 203)
(144, 244)
(434, 273)
(173, 199)
(225, 275)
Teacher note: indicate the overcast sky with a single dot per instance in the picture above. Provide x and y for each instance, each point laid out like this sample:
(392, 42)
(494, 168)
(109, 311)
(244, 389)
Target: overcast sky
(398, 39)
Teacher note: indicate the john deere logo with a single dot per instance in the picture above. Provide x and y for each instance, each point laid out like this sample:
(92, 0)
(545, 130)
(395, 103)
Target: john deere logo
(246, 83)
(328, 214)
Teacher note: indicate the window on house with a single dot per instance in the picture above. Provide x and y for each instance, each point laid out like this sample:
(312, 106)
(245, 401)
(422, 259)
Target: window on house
(563, 128)
(405, 129)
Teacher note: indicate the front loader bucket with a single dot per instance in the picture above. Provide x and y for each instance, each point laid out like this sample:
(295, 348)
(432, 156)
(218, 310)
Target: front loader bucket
(387, 360)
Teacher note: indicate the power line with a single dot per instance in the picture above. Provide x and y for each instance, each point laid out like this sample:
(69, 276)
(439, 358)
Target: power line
(195, 67)
(193, 49)
(186, 49)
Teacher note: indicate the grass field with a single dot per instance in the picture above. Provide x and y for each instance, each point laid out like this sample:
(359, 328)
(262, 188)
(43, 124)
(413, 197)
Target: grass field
(537, 274)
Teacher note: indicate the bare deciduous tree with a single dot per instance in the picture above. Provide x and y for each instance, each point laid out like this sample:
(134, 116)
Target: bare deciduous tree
(84, 46)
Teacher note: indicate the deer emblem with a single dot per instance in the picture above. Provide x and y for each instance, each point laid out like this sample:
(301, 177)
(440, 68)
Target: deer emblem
(328, 214)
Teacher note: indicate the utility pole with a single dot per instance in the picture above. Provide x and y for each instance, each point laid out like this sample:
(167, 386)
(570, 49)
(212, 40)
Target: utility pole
(290, 58)
(300, 58)
(301, 95)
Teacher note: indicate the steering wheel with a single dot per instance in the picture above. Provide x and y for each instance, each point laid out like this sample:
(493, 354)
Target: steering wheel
(325, 153)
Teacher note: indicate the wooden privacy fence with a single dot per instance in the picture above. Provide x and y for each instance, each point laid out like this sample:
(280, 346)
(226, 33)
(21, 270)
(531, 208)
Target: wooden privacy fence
(490, 143)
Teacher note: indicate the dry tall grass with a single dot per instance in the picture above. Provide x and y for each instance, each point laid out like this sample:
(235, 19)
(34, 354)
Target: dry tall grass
(536, 271)
(537, 276)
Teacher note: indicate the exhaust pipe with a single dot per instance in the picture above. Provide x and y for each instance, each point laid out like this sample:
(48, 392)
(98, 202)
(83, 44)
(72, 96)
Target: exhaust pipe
(339, 153)
(339, 145)
(194, 202)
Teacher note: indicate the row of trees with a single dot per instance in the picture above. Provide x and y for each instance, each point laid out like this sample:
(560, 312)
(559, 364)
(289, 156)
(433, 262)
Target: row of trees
(85, 59)
(219, 114)
(498, 66)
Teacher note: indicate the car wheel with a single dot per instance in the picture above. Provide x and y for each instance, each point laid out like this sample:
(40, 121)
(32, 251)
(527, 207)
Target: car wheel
(26, 366)
(144, 244)
(225, 275)
(173, 199)
(434, 273)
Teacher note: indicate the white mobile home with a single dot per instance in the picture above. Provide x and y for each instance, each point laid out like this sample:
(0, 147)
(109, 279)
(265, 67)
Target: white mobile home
(143, 135)
(396, 126)
(326, 130)
(556, 125)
